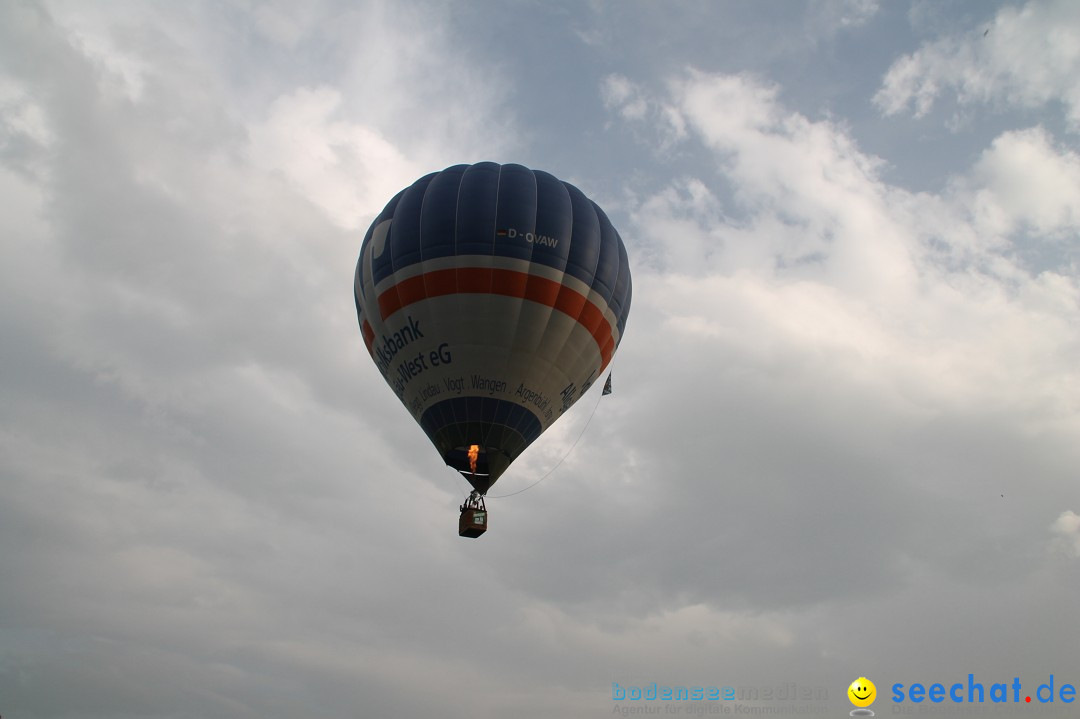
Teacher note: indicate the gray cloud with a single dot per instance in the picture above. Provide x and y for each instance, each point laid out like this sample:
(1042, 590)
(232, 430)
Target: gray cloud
(211, 505)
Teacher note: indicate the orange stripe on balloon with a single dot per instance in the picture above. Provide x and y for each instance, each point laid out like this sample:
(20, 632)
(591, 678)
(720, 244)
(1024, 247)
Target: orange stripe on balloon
(506, 283)
(369, 336)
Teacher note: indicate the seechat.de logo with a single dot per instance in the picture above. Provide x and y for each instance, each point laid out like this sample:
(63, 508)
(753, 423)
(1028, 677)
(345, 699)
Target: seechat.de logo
(862, 694)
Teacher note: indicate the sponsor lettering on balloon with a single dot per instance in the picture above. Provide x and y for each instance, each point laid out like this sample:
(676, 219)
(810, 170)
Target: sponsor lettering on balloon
(491, 386)
(388, 347)
(537, 399)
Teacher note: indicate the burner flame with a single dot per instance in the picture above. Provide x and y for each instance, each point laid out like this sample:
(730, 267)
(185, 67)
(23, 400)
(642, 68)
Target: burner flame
(474, 454)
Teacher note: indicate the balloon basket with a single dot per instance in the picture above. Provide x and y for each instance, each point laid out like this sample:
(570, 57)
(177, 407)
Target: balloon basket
(473, 520)
(472, 523)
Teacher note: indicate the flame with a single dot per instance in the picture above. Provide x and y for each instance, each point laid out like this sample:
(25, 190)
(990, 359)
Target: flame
(474, 452)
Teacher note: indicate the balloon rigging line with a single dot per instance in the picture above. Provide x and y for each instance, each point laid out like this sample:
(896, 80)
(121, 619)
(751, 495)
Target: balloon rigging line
(580, 435)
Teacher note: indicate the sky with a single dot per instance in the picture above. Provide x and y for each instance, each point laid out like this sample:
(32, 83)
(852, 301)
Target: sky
(843, 437)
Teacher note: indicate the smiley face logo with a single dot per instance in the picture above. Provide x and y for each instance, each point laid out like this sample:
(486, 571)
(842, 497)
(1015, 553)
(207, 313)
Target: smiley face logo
(862, 692)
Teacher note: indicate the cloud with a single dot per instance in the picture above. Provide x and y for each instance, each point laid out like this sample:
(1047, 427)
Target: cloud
(1068, 527)
(1027, 58)
(797, 206)
(633, 104)
(618, 92)
(188, 423)
(825, 15)
(825, 329)
(346, 168)
(213, 506)
(1023, 183)
(805, 175)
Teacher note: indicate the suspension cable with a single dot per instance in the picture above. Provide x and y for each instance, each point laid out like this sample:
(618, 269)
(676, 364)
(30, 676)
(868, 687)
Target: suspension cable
(548, 473)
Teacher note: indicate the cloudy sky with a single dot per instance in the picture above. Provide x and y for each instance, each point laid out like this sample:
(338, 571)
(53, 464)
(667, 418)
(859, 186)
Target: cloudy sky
(844, 434)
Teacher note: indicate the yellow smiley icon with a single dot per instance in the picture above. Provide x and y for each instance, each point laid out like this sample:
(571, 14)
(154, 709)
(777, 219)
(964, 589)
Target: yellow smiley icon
(862, 692)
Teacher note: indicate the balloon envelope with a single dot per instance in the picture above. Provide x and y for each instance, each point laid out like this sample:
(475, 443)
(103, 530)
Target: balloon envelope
(490, 297)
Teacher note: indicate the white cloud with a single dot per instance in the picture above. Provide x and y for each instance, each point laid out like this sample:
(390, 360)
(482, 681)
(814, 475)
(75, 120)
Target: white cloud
(403, 73)
(1028, 57)
(289, 23)
(347, 168)
(108, 44)
(825, 325)
(808, 199)
(1067, 526)
(621, 94)
(634, 105)
(841, 14)
(406, 101)
(1023, 182)
(811, 244)
(21, 117)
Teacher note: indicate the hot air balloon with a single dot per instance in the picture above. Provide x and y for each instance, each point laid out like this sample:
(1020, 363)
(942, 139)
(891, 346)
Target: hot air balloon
(490, 297)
